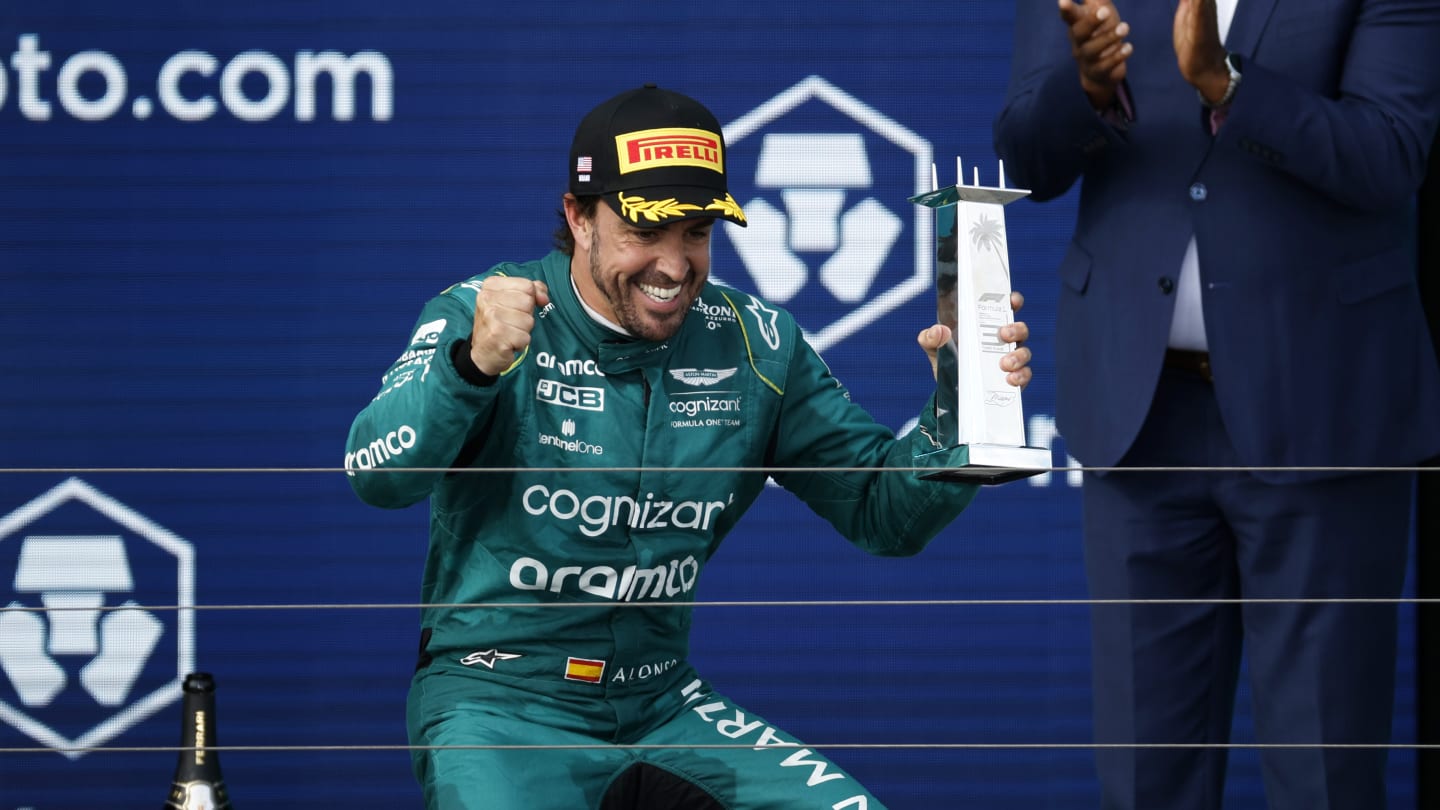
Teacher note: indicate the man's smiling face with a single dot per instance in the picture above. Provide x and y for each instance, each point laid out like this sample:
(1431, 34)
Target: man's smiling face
(644, 279)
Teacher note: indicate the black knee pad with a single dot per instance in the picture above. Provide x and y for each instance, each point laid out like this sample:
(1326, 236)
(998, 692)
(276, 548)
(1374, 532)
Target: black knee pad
(645, 787)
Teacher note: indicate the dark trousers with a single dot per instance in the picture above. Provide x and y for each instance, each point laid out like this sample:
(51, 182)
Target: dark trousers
(1166, 674)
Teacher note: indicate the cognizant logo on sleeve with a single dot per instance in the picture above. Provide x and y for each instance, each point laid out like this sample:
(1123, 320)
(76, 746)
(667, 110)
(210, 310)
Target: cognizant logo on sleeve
(193, 85)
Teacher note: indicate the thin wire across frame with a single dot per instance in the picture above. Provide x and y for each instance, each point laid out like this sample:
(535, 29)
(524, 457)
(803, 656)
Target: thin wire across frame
(829, 603)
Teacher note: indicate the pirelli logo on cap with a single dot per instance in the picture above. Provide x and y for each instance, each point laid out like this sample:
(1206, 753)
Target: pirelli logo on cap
(584, 669)
(655, 148)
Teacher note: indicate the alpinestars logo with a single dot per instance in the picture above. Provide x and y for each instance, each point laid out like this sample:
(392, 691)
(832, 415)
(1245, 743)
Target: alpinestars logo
(765, 322)
(487, 658)
(820, 240)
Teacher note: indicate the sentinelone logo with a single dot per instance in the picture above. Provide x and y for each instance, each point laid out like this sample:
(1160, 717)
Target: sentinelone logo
(185, 85)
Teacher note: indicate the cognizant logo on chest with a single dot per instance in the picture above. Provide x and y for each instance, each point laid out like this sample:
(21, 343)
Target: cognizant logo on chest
(597, 513)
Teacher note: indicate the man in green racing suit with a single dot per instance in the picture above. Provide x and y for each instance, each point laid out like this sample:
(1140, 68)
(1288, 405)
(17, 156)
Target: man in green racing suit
(649, 404)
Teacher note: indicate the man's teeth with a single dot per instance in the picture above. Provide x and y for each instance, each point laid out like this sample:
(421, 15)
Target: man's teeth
(660, 293)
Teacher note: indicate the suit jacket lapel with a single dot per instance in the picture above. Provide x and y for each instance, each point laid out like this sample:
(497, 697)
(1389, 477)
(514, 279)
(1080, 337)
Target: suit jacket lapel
(1251, 17)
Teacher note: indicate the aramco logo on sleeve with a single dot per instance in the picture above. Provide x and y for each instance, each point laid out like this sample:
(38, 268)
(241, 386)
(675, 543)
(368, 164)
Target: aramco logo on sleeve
(81, 658)
(831, 234)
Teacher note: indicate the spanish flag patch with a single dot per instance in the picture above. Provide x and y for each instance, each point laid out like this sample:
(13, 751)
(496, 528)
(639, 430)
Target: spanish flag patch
(583, 669)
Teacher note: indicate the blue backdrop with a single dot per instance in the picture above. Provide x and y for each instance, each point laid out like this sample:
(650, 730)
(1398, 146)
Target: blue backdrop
(219, 223)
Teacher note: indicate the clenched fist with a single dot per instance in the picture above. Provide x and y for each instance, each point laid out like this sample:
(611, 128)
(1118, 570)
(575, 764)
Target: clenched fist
(504, 317)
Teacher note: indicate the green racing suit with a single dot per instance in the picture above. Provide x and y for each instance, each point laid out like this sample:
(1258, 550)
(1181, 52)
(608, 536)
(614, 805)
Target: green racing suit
(599, 473)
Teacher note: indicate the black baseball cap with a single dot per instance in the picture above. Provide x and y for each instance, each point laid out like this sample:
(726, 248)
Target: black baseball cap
(655, 157)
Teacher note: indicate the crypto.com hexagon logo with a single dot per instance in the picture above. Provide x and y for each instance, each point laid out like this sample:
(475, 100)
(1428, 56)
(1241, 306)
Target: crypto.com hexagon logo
(93, 662)
(831, 187)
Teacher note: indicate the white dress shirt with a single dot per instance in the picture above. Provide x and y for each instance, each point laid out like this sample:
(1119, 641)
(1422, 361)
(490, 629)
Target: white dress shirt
(1187, 329)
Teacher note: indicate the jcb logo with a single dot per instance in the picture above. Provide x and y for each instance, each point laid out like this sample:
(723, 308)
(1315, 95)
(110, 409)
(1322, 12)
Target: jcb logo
(570, 396)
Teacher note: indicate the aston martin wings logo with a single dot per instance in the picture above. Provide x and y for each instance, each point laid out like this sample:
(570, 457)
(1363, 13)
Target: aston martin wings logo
(702, 376)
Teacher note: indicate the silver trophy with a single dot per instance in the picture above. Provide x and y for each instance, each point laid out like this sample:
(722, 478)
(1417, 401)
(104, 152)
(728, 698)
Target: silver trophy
(982, 425)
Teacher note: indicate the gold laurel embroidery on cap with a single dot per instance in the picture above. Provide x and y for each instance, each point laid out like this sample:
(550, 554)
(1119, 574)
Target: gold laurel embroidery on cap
(727, 207)
(653, 210)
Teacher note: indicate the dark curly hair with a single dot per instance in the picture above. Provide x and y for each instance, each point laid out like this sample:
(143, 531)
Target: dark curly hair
(564, 240)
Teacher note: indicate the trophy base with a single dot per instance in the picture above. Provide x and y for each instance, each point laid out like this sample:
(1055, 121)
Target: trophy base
(991, 463)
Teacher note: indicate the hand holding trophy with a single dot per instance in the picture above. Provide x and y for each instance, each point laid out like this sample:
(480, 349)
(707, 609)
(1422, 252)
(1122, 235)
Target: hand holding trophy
(980, 416)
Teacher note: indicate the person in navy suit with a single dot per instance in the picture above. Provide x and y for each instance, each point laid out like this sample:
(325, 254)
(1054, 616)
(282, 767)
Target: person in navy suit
(1239, 293)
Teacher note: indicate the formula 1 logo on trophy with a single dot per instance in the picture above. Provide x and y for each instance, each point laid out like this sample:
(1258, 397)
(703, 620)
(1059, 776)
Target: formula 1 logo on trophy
(980, 418)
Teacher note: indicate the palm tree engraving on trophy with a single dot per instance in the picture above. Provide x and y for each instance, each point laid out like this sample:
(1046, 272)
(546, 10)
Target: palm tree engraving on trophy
(988, 235)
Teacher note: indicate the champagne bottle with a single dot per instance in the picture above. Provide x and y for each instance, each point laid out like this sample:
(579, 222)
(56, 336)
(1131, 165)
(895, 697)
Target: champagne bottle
(197, 784)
